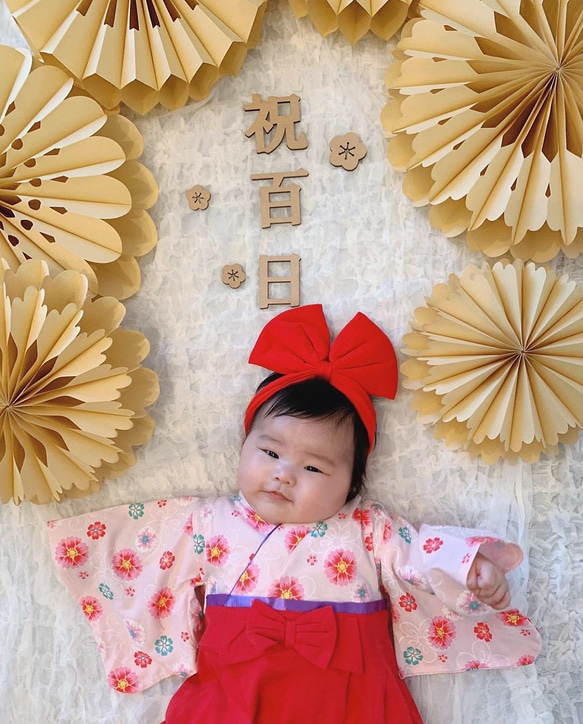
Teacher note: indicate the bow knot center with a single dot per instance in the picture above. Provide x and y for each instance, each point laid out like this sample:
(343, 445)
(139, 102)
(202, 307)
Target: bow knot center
(325, 369)
(290, 634)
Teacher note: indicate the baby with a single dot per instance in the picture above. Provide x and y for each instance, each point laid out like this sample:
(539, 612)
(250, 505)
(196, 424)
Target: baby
(299, 572)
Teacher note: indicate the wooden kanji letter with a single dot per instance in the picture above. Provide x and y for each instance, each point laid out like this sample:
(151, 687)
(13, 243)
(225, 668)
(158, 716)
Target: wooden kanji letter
(292, 202)
(269, 118)
(265, 279)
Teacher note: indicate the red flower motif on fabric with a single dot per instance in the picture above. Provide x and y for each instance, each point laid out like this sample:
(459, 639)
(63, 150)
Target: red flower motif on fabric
(368, 542)
(387, 531)
(466, 559)
(287, 587)
(91, 607)
(442, 658)
(482, 631)
(185, 636)
(162, 503)
(295, 536)
(248, 579)
(441, 632)
(83, 575)
(188, 529)
(312, 559)
(477, 540)
(161, 603)
(131, 592)
(142, 659)
(432, 544)
(123, 680)
(342, 515)
(71, 553)
(513, 617)
(256, 521)
(167, 560)
(217, 550)
(525, 660)
(362, 516)
(474, 665)
(340, 567)
(408, 602)
(96, 530)
(126, 564)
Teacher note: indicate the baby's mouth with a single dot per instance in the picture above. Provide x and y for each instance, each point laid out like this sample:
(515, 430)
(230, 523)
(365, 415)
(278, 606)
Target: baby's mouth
(276, 495)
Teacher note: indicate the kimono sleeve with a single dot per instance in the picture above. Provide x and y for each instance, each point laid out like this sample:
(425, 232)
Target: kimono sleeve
(133, 570)
(439, 626)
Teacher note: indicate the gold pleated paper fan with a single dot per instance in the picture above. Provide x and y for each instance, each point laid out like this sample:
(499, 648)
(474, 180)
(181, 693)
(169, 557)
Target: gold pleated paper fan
(497, 361)
(487, 118)
(73, 392)
(142, 52)
(71, 190)
(354, 18)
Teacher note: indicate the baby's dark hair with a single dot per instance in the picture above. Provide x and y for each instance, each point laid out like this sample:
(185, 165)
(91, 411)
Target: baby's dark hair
(317, 399)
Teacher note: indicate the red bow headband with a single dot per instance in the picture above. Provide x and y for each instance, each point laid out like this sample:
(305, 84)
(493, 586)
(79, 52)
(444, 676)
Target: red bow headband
(361, 362)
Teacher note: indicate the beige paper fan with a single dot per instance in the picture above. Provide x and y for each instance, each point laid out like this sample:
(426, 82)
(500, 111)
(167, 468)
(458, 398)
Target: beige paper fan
(71, 190)
(498, 361)
(354, 18)
(487, 119)
(72, 390)
(142, 52)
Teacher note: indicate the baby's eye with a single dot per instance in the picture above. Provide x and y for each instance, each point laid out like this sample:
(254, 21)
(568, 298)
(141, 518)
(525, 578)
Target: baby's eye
(271, 454)
(312, 469)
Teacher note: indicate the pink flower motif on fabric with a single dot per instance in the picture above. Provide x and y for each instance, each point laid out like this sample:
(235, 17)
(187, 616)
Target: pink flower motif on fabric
(442, 658)
(482, 631)
(135, 631)
(525, 660)
(295, 536)
(441, 632)
(185, 636)
(479, 539)
(123, 680)
(432, 545)
(408, 602)
(131, 592)
(162, 603)
(468, 603)
(162, 503)
(71, 553)
(127, 565)
(91, 607)
(167, 560)
(96, 530)
(83, 575)
(466, 559)
(142, 659)
(387, 531)
(512, 617)
(312, 559)
(287, 587)
(187, 528)
(256, 521)
(146, 539)
(362, 516)
(248, 579)
(217, 550)
(340, 567)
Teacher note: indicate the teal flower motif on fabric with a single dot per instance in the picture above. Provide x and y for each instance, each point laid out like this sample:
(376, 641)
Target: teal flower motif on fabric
(413, 656)
(319, 530)
(198, 541)
(405, 534)
(136, 510)
(164, 645)
(106, 591)
(236, 498)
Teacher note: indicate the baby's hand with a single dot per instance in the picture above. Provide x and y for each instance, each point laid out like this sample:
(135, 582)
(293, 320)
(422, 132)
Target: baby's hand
(488, 584)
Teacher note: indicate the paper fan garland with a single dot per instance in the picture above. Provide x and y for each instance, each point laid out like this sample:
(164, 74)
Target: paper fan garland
(142, 52)
(354, 18)
(73, 392)
(487, 118)
(498, 361)
(71, 190)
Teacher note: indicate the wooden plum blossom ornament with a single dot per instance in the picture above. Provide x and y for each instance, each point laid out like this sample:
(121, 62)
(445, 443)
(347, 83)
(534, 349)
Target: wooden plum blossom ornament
(73, 393)
(142, 52)
(487, 121)
(233, 275)
(71, 190)
(198, 198)
(497, 361)
(347, 151)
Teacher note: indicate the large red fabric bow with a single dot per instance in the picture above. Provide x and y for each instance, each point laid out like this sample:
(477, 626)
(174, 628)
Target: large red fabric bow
(361, 362)
(313, 634)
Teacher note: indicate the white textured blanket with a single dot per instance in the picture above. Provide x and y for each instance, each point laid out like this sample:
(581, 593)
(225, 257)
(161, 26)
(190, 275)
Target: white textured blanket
(363, 247)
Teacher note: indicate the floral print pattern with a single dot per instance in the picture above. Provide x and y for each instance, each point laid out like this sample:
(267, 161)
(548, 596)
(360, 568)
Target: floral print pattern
(352, 558)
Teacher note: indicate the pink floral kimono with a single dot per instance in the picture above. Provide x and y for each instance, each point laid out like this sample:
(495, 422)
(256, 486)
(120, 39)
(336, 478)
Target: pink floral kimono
(288, 609)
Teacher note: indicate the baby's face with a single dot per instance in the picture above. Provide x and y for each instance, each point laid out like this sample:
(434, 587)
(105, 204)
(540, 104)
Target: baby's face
(296, 471)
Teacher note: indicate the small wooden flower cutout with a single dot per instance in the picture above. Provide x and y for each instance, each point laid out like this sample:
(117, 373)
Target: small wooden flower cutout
(347, 151)
(198, 198)
(233, 275)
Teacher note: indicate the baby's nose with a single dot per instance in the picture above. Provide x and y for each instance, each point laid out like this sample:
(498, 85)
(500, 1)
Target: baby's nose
(284, 473)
